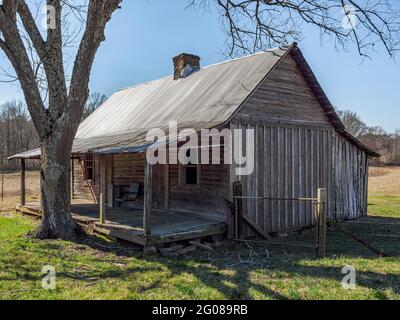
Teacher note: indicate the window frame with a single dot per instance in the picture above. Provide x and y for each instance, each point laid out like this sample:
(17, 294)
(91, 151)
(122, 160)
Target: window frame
(89, 159)
(183, 174)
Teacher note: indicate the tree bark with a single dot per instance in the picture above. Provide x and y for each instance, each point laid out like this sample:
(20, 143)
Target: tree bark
(57, 124)
(57, 222)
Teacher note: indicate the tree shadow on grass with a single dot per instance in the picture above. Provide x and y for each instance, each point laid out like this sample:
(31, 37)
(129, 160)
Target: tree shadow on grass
(233, 272)
(236, 279)
(232, 279)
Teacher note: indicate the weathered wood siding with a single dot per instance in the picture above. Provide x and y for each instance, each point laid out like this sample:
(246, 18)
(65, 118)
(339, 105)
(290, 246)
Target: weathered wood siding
(129, 168)
(82, 189)
(284, 97)
(294, 162)
(297, 152)
(207, 197)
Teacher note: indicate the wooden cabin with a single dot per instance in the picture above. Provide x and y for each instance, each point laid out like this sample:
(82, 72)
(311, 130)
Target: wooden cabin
(300, 145)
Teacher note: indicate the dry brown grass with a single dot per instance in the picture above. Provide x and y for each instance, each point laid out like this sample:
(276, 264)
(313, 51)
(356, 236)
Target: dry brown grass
(379, 171)
(384, 181)
(12, 187)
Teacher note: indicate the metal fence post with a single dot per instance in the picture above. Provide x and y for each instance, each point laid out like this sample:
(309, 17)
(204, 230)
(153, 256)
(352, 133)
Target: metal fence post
(321, 222)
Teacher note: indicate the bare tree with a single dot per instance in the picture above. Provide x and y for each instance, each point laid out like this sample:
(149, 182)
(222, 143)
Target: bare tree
(95, 100)
(56, 101)
(16, 131)
(353, 123)
(259, 24)
(56, 122)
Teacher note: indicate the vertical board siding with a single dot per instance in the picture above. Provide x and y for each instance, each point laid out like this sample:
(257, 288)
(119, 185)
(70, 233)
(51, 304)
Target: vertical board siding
(293, 162)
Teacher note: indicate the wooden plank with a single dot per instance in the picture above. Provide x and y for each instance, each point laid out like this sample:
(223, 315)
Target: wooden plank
(178, 226)
(255, 227)
(279, 180)
(166, 186)
(294, 166)
(216, 229)
(256, 172)
(22, 186)
(238, 192)
(102, 195)
(287, 171)
(273, 181)
(267, 179)
(322, 222)
(72, 178)
(148, 193)
(102, 218)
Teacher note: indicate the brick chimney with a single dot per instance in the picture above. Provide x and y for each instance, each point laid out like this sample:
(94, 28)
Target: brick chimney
(185, 64)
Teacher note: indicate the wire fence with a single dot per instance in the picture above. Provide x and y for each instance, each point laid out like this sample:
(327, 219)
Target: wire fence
(275, 219)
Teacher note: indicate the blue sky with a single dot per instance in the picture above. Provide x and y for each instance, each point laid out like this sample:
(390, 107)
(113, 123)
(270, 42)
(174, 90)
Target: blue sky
(143, 37)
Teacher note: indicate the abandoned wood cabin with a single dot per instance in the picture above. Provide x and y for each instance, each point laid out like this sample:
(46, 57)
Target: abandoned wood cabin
(300, 145)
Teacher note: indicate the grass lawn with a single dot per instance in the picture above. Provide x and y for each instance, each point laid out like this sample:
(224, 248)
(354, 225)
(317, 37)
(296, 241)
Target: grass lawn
(97, 268)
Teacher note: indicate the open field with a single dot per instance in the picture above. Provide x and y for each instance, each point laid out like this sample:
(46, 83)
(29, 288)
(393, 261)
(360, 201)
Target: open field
(12, 187)
(384, 181)
(97, 268)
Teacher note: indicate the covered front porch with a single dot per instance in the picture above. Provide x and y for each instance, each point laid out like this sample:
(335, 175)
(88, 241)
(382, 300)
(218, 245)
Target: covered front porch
(120, 194)
(127, 224)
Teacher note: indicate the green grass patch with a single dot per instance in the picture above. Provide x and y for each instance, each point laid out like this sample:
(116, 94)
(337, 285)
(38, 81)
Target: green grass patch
(97, 268)
(384, 206)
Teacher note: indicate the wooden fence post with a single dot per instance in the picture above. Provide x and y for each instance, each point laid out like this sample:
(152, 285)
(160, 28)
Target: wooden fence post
(2, 184)
(72, 178)
(237, 192)
(322, 222)
(22, 197)
(102, 191)
(148, 195)
(102, 209)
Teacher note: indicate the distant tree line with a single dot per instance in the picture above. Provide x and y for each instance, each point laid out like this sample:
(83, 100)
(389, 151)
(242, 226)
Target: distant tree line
(17, 133)
(387, 144)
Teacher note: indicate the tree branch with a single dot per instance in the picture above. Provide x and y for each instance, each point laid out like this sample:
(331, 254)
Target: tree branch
(254, 25)
(14, 48)
(99, 13)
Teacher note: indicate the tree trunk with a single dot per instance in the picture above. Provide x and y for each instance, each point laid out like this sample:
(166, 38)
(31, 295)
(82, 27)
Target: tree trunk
(57, 222)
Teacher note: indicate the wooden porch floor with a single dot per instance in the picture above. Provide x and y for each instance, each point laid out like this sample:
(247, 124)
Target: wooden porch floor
(125, 223)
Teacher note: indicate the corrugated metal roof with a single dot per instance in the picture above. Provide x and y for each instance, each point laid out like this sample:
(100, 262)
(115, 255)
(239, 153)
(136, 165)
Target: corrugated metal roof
(205, 99)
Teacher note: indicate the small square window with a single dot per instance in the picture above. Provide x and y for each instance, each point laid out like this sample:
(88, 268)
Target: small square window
(191, 175)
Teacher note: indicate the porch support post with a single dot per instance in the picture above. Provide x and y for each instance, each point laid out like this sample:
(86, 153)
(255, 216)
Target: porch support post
(166, 195)
(322, 216)
(148, 195)
(72, 178)
(22, 190)
(102, 190)
(40, 188)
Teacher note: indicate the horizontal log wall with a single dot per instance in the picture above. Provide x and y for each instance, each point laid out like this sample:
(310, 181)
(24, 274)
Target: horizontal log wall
(205, 198)
(129, 168)
(284, 97)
